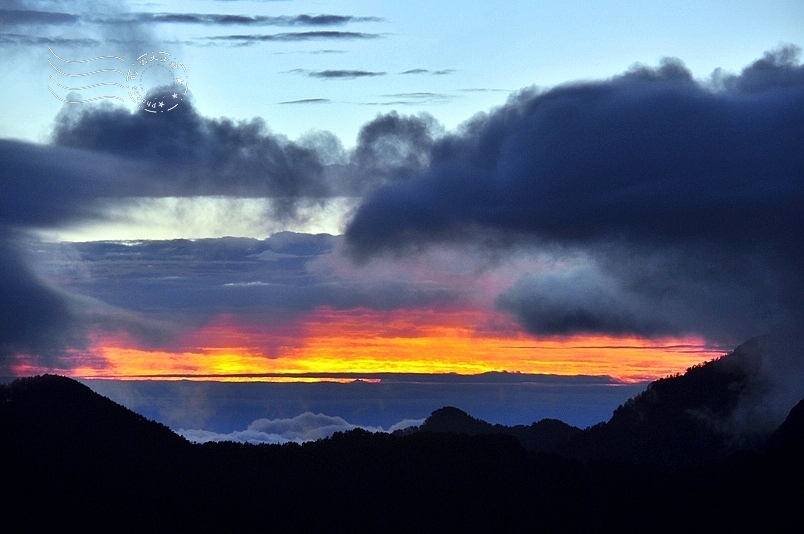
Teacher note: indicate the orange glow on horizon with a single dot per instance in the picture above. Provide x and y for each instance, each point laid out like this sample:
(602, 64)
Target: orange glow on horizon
(330, 341)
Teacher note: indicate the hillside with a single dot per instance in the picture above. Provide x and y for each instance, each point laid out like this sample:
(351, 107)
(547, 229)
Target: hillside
(713, 409)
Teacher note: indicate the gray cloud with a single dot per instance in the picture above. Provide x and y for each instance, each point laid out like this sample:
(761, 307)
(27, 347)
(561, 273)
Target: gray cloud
(343, 74)
(253, 279)
(16, 17)
(702, 179)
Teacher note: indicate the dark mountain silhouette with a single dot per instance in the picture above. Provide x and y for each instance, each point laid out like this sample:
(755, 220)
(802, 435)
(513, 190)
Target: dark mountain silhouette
(669, 457)
(713, 409)
(82, 454)
(59, 408)
(543, 436)
(790, 434)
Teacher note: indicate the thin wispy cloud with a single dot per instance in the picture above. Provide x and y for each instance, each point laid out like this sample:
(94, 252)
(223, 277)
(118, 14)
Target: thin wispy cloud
(440, 72)
(18, 39)
(308, 101)
(484, 90)
(295, 37)
(311, 52)
(421, 96)
(412, 99)
(14, 17)
(216, 19)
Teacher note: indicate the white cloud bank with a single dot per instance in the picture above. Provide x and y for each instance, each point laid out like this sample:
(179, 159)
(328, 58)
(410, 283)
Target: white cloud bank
(302, 428)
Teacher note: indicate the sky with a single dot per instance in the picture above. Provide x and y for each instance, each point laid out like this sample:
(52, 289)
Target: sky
(290, 190)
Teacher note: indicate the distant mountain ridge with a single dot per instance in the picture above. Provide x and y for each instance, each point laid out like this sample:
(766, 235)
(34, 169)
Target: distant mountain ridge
(542, 436)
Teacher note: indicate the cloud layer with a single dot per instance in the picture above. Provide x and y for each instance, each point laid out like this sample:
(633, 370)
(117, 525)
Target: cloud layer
(302, 428)
(657, 205)
(680, 194)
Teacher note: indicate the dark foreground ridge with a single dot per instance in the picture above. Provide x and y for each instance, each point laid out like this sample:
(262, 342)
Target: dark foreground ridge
(670, 457)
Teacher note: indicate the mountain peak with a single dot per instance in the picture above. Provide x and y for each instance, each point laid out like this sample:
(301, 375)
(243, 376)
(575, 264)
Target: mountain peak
(451, 419)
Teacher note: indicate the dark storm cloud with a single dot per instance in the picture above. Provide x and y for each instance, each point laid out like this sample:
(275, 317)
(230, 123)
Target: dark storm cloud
(34, 318)
(43, 186)
(43, 323)
(294, 37)
(201, 156)
(709, 177)
(392, 148)
(664, 292)
(185, 154)
(650, 155)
